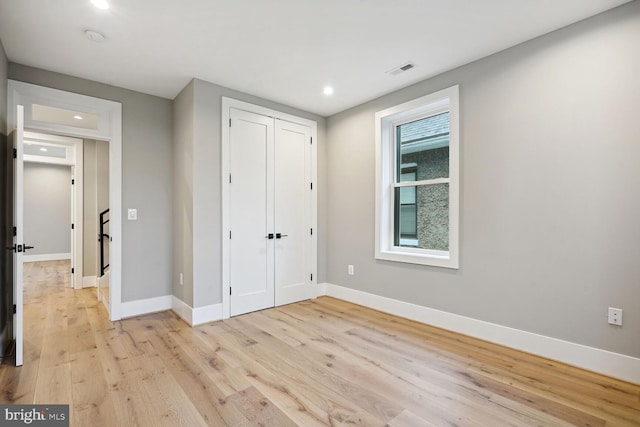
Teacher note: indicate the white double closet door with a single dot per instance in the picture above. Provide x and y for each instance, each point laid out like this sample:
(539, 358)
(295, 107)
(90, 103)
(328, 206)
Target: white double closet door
(270, 233)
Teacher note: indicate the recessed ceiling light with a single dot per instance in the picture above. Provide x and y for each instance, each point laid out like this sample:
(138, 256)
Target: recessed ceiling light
(77, 117)
(43, 149)
(328, 90)
(94, 36)
(100, 4)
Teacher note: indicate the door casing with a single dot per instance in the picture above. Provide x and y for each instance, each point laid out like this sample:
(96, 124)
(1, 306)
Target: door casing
(109, 128)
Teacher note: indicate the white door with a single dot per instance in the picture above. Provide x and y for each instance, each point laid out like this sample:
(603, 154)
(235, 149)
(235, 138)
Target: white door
(251, 211)
(18, 244)
(292, 212)
(270, 212)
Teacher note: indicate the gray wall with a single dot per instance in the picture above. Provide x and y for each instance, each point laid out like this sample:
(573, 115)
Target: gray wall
(96, 200)
(146, 178)
(198, 213)
(89, 209)
(183, 112)
(47, 208)
(102, 197)
(550, 142)
(6, 284)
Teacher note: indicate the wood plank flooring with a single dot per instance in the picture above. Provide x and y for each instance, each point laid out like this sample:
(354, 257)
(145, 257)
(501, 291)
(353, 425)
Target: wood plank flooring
(314, 363)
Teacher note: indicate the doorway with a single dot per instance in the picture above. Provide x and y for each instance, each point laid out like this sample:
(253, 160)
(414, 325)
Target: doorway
(53, 200)
(269, 208)
(58, 112)
(64, 113)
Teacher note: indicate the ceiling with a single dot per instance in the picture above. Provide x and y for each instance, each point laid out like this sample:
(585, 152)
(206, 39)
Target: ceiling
(283, 50)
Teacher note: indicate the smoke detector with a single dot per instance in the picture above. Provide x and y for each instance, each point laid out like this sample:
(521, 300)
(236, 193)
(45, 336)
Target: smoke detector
(401, 69)
(94, 36)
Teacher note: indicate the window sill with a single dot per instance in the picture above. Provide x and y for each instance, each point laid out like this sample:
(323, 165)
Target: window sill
(434, 258)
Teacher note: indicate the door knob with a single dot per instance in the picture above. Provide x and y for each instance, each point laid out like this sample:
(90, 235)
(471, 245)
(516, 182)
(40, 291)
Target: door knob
(269, 236)
(280, 235)
(27, 247)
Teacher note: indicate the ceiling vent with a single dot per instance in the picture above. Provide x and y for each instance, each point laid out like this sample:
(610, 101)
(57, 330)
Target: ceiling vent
(401, 69)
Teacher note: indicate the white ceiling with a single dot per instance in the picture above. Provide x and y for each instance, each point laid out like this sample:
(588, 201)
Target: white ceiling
(283, 50)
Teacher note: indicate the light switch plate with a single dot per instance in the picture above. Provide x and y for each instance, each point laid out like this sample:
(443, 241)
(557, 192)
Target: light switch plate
(132, 214)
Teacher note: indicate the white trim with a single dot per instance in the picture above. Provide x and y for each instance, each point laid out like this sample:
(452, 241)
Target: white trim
(109, 129)
(196, 316)
(227, 104)
(145, 306)
(321, 289)
(182, 309)
(89, 281)
(385, 123)
(46, 257)
(206, 314)
(606, 362)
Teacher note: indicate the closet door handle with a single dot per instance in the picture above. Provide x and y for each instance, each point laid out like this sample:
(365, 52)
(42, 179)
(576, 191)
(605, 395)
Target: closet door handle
(269, 236)
(280, 235)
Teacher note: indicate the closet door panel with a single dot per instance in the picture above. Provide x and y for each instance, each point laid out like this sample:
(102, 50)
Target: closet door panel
(251, 211)
(292, 197)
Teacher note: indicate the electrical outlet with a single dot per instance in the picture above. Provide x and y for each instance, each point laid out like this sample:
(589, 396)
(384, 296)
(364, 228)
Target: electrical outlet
(615, 316)
(350, 270)
(132, 214)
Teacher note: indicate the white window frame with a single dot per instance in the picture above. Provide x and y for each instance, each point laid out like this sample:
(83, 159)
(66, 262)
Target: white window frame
(386, 123)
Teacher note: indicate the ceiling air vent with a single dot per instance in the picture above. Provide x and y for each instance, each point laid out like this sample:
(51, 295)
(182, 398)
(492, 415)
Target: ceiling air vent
(401, 69)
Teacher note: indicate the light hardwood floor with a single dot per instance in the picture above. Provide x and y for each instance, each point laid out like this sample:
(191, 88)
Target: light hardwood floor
(321, 362)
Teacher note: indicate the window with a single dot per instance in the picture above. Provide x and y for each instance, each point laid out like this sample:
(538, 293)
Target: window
(417, 180)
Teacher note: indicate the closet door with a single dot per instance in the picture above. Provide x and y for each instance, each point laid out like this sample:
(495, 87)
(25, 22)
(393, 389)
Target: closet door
(251, 252)
(292, 197)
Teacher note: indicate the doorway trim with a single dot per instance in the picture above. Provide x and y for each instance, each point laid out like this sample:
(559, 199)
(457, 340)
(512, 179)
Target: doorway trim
(108, 128)
(76, 163)
(227, 105)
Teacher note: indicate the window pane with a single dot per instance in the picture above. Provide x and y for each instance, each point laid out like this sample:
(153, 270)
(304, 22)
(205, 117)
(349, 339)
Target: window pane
(424, 224)
(35, 149)
(405, 214)
(61, 116)
(424, 143)
(408, 221)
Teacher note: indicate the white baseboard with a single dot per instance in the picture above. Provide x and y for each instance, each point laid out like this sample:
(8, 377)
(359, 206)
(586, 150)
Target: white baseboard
(145, 306)
(89, 281)
(46, 257)
(196, 316)
(606, 362)
(182, 309)
(321, 289)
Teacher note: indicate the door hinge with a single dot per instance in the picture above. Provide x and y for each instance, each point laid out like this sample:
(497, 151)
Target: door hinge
(229, 233)
(73, 182)
(229, 122)
(15, 309)
(312, 277)
(229, 290)
(312, 231)
(73, 226)
(229, 178)
(73, 271)
(15, 231)
(311, 140)
(15, 153)
(312, 185)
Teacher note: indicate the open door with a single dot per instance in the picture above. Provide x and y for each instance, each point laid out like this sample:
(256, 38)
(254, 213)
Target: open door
(18, 232)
